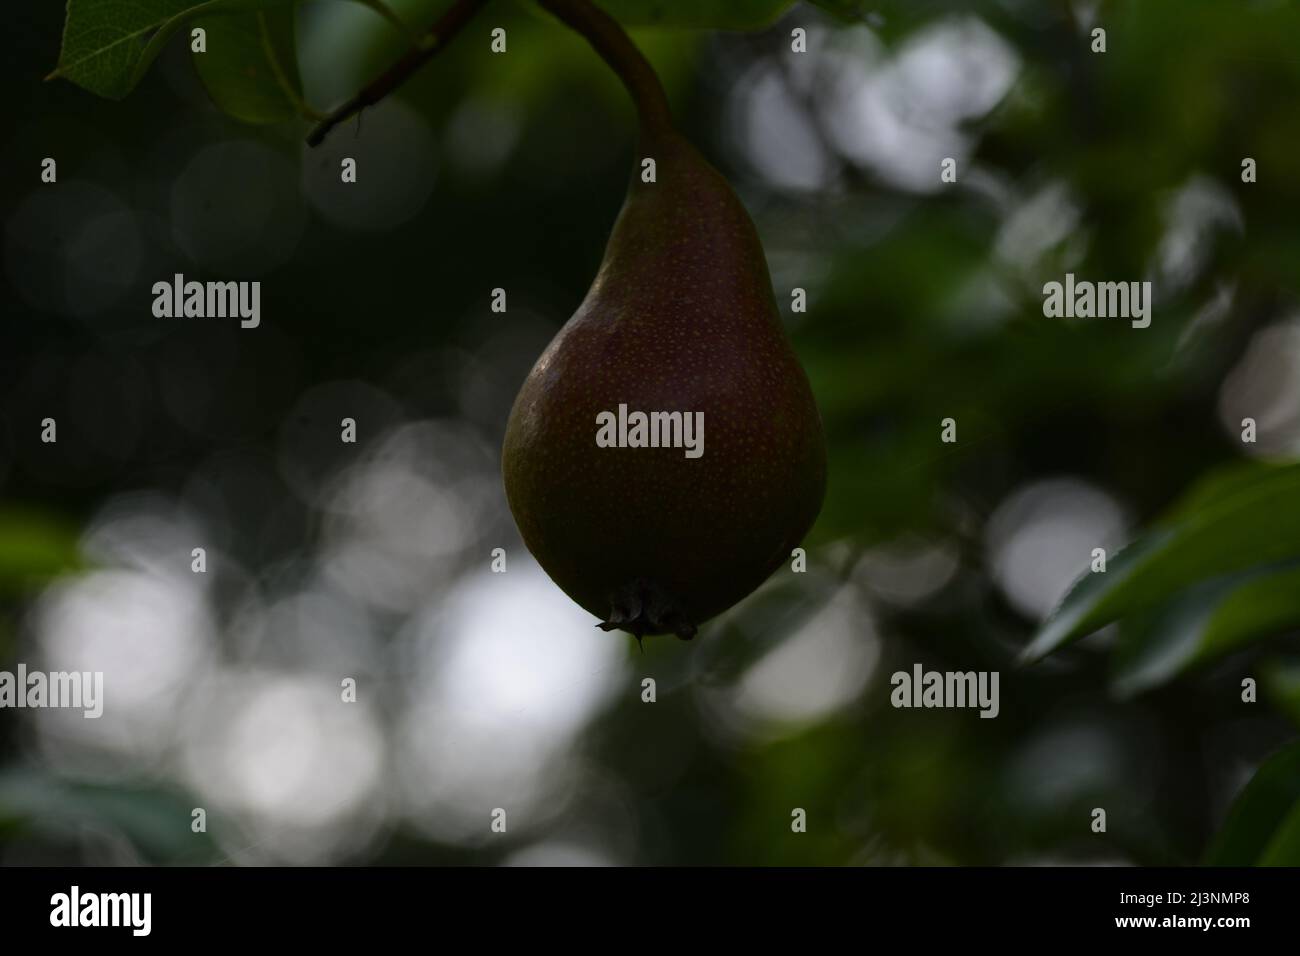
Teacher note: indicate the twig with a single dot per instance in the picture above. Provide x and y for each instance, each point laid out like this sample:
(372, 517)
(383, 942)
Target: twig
(439, 35)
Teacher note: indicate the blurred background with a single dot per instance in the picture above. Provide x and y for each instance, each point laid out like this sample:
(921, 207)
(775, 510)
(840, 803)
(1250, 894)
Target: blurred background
(478, 691)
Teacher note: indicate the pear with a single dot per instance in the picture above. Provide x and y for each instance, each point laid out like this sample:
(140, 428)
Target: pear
(681, 318)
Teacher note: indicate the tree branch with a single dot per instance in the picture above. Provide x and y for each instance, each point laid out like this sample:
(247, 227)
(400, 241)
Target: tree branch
(601, 30)
(439, 35)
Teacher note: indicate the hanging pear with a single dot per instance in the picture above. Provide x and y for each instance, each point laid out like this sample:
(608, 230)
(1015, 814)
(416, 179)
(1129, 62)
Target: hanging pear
(665, 454)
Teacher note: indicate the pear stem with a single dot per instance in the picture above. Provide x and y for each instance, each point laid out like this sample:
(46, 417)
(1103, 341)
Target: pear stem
(616, 48)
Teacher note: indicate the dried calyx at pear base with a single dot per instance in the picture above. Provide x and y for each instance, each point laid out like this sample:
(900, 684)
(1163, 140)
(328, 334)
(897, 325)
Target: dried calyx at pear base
(681, 318)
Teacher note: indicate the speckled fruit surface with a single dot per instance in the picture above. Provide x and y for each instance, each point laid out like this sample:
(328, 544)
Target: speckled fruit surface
(681, 317)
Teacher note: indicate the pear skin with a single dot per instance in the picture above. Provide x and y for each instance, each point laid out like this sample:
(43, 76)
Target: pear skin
(681, 317)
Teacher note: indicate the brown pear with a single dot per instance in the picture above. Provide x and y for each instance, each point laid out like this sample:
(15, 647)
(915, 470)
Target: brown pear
(659, 521)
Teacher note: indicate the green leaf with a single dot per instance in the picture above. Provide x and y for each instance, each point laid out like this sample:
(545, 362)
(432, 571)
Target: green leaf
(1284, 847)
(156, 821)
(850, 10)
(33, 548)
(109, 44)
(1263, 824)
(1230, 523)
(1229, 482)
(250, 68)
(1280, 682)
(1211, 620)
(699, 14)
